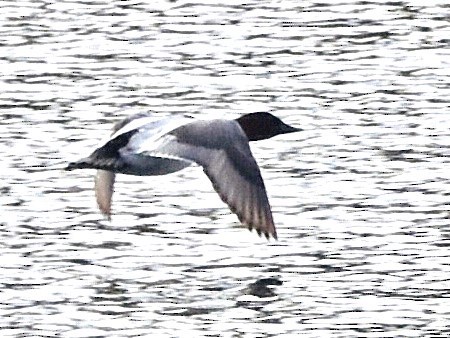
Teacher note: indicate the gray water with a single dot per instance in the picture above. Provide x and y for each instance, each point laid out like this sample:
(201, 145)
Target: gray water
(360, 197)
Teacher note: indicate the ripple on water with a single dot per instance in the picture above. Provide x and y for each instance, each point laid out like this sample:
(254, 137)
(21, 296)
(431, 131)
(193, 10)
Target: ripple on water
(359, 197)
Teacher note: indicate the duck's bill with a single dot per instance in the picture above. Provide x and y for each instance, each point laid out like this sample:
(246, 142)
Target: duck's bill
(288, 129)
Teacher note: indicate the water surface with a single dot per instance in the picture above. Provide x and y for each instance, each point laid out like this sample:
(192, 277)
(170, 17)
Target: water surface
(360, 198)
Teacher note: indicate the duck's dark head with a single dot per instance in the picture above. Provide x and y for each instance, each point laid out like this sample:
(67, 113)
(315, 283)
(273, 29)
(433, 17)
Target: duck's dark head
(261, 126)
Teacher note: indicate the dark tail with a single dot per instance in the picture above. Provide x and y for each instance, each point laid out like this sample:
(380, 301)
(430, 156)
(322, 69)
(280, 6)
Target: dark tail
(84, 163)
(109, 164)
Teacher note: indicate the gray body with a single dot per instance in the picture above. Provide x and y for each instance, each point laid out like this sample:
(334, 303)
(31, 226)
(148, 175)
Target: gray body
(142, 145)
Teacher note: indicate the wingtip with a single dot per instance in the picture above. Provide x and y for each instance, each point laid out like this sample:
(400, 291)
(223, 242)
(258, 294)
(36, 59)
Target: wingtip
(274, 236)
(253, 212)
(272, 233)
(269, 235)
(104, 188)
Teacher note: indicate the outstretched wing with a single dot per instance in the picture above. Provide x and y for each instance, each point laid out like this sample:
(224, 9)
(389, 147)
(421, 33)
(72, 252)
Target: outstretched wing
(221, 148)
(135, 129)
(104, 179)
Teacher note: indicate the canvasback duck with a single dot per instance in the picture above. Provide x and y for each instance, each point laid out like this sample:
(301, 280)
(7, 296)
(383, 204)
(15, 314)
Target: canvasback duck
(144, 145)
